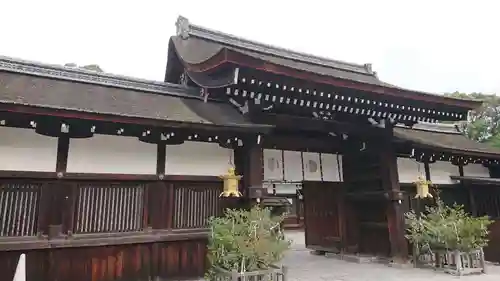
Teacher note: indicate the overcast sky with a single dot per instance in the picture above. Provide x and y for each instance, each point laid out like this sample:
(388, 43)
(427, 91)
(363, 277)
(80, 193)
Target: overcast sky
(430, 45)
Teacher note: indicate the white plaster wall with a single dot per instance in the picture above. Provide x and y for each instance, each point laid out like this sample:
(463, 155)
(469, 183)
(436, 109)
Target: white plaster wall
(408, 170)
(331, 170)
(293, 166)
(273, 164)
(441, 172)
(198, 159)
(25, 150)
(111, 154)
(476, 170)
(285, 188)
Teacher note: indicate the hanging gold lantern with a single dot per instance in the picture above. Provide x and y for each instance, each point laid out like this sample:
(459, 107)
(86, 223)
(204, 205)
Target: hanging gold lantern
(422, 188)
(231, 181)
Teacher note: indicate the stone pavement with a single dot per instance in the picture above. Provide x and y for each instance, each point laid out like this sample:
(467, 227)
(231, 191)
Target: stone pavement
(306, 267)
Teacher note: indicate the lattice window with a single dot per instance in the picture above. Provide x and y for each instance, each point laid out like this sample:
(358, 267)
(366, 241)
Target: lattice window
(109, 208)
(19, 207)
(194, 205)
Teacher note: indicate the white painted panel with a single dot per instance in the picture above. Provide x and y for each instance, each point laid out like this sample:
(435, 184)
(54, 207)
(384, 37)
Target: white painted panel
(111, 154)
(293, 165)
(285, 188)
(312, 166)
(476, 170)
(25, 150)
(441, 172)
(273, 164)
(409, 170)
(330, 166)
(269, 186)
(198, 159)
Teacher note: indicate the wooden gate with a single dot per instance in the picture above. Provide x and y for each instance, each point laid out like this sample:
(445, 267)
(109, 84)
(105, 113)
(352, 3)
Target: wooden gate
(323, 220)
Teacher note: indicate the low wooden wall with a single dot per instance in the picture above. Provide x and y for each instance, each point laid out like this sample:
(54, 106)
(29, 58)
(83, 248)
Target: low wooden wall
(140, 261)
(97, 230)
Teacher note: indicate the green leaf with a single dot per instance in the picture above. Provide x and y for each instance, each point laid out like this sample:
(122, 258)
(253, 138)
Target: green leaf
(245, 240)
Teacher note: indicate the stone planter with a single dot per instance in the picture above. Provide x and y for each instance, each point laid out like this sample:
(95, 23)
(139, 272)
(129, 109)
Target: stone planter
(455, 262)
(274, 273)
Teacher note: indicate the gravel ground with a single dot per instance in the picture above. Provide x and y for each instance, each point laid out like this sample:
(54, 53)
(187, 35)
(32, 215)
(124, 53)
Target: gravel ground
(306, 267)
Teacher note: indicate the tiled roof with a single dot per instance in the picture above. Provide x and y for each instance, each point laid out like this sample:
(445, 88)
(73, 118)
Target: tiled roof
(443, 137)
(57, 87)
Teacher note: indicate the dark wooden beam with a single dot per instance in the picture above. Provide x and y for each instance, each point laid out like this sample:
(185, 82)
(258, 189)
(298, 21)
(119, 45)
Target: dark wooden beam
(299, 142)
(49, 176)
(327, 94)
(103, 239)
(311, 124)
(98, 117)
(449, 150)
(427, 169)
(62, 153)
(161, 152)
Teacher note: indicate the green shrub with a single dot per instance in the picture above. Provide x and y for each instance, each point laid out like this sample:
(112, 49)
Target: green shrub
(447, 228)
(245, 240)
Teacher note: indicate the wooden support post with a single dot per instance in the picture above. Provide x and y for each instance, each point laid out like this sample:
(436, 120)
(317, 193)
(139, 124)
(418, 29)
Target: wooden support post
(62, 153)
(395, 216)
(161, 155)
(427, 169)
(248, 162)
(60, 193)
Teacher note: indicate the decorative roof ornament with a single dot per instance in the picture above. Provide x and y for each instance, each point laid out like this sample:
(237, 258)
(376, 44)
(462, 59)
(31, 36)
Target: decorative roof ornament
(204, 94)
(231, 181)
(183, 27)
(368, 67)
(422, 188)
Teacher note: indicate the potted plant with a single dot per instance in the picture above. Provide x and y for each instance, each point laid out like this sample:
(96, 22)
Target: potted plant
(449, 238)
(246, 243)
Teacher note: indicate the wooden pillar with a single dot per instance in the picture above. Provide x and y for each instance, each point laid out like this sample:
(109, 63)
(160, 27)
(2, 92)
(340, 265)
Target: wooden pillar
(427, 170)
(62, 153)
(161, 155)
(395, 216)
(59, 196)
(248, 161)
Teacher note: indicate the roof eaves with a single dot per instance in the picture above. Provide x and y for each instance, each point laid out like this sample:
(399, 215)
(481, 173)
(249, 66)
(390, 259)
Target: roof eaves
(389, 85)
(262, 128)
(186, 29)
(422, 143)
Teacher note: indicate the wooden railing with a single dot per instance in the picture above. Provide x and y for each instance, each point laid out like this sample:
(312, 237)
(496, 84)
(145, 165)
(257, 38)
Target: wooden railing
(193, 205)
(19, 208)
(109, 208)
(89, 229)
(29, 209)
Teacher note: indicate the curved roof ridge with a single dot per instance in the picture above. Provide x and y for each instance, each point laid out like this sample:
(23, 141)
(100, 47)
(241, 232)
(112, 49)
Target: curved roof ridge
(186, 29)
